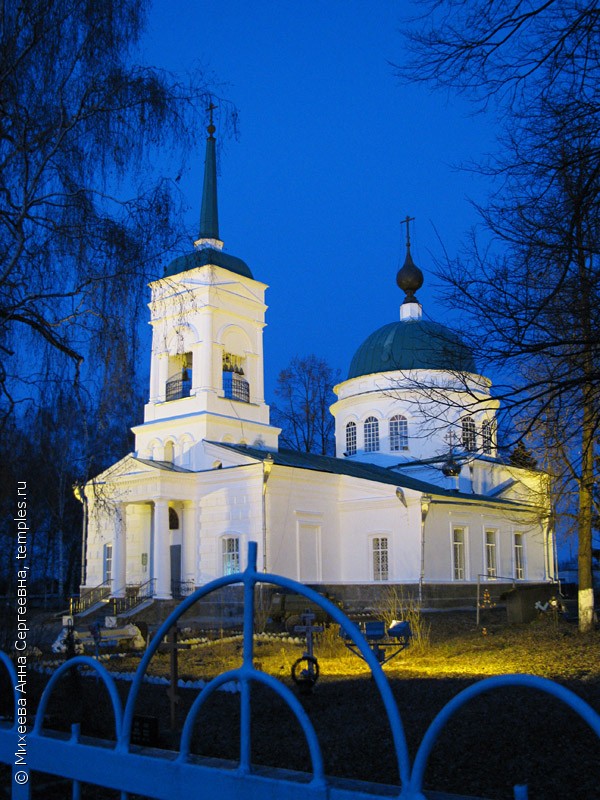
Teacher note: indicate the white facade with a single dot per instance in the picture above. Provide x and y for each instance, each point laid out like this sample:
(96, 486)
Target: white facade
(207, 476)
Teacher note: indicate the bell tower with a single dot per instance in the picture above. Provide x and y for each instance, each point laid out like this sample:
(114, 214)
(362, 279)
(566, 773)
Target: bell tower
(207, 369)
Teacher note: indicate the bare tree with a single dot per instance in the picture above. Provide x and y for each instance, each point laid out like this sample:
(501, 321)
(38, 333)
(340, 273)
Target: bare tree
(533, 289)
(512, 50)
(534, 296)
(91, 148)
(84, 218)
(305, 389)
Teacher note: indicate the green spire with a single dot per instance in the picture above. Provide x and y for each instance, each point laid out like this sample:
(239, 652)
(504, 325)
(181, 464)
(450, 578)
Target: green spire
(209, 214)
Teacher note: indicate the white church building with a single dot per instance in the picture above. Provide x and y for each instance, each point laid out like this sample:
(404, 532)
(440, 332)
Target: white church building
(416, 493)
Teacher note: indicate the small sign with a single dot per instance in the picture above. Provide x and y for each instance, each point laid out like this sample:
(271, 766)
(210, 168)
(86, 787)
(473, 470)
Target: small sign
(144, 730)
(110, 622)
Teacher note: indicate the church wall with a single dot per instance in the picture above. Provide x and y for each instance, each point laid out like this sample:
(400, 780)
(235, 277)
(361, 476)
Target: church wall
(229, 506)
(187, 434)
(302, 524)
(138, 525)
(439, 557)
(372, 511)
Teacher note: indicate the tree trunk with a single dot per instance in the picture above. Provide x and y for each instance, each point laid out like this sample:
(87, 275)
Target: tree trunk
(586, 587)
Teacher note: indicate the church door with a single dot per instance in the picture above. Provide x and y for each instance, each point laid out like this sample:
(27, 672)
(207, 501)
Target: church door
(176, 570)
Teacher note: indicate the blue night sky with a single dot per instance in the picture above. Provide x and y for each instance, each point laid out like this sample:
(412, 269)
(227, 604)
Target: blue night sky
(333, 151)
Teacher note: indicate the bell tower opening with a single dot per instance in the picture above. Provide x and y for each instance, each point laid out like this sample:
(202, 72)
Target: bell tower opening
(179, 382)
(235, 384)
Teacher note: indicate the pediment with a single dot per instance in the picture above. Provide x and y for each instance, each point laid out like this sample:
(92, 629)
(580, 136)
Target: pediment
(512, 489)
(130, 467)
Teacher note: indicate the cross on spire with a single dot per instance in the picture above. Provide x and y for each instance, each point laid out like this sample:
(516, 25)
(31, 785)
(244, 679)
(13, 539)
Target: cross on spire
(406, 221)
(209, 214)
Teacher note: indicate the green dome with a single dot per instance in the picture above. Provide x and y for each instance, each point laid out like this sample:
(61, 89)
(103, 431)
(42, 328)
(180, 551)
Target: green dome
(208, 255)
(412, 344)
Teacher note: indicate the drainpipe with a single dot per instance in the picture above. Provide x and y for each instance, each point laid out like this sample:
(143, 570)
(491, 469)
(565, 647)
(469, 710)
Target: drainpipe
(267, 467)
(80, 494)
(425, 503)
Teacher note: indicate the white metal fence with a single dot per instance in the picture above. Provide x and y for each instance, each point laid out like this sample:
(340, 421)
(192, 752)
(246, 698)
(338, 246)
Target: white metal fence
(167, 775)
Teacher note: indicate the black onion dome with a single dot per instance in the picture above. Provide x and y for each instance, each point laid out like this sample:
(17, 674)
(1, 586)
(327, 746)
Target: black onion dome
(409, 278)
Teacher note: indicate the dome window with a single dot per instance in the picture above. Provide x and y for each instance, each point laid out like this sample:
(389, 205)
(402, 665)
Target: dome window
(469, 435)
(398, 433)
(351, 439)
(371, 435)
(487, 436)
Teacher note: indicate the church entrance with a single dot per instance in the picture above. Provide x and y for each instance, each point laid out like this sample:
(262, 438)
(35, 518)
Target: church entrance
(176, 570)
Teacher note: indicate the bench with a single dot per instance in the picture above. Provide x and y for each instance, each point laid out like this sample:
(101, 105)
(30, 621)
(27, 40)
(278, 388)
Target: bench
(385, 643)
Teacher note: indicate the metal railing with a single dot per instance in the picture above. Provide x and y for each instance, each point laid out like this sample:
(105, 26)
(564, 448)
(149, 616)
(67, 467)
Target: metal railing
(89, 598)
(134, 595)
(235, 387)
(177, 388)
(156, 773)
(181, 589)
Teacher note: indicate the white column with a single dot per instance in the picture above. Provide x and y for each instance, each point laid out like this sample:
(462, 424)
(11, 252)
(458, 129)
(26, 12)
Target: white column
(119, 554)
(258, 391)
(205, 352)
(163, 374)
(153, 395)
(161, 564)
(190, 541)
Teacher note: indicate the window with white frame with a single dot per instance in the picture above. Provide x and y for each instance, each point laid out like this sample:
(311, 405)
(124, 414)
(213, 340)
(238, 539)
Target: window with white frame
(379, 545)
(458, 554)
(108, 563)
(398, 433)
(371, 435)
(487, 436)
(490, 553)
(519, 556)
(469, 434)
(351, 438)
(230, 552)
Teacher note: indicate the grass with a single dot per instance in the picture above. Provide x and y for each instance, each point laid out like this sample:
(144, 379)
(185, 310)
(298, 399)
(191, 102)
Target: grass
(452, 647)
(510, 737)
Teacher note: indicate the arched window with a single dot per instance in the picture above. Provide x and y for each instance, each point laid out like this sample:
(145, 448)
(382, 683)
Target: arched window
(469, 434)
(173, 519)
(351, 439)
(487, 436)
(371, 435)
(398, 433)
